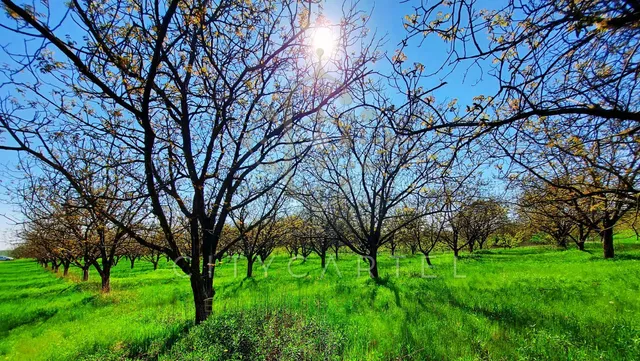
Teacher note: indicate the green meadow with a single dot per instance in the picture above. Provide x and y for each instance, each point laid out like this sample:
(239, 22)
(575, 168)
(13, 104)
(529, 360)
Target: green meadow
(528, 303)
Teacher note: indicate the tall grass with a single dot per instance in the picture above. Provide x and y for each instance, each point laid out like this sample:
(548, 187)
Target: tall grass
(519, 304)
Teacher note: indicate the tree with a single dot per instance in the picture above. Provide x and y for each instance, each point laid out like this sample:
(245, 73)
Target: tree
(566, 101)
(547, 214)
(201, 98)
(452, 236)
(479, 219)
(559, 214)
(318, 235)
(580, 235)
(530, 46)
(366, 176)
(133, 251)
(512, 233)
(258, 228)
(55, 231)
(424, 233)
(290, 239)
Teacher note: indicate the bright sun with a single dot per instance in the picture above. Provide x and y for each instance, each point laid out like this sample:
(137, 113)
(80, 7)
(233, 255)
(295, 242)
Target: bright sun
(323, 42)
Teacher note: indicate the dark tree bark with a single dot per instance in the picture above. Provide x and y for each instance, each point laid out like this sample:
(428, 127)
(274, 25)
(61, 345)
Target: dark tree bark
(202, 295)
(65, 265)
(373, 265)
(581, 238)
(85, 274)
(607, 239)
(426, 257)
(105, 276)
(481, 242)
(562, 242)
(250, 261)
(106, 282)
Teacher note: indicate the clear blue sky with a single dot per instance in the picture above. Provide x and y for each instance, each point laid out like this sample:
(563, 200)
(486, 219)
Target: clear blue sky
(386, 18)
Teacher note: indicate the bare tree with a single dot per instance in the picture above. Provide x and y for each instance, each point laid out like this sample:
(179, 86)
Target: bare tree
(479, 219)
(258, 228)
(317, 236)
(369, 174)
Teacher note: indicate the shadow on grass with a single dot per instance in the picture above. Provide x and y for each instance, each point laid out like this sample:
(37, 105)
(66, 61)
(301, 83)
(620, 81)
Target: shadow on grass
(530, 321)
(233, 290)
(512, 252)
(41, 315)
(151, 349)
(627, 257)
(387, 283)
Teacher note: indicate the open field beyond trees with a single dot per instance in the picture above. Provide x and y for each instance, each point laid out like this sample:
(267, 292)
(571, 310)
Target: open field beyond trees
(528, 303)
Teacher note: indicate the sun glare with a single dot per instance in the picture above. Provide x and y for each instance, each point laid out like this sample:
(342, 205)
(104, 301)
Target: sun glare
(323, 42)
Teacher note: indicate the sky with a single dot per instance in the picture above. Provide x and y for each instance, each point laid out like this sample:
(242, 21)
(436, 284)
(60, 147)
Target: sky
(386, 19)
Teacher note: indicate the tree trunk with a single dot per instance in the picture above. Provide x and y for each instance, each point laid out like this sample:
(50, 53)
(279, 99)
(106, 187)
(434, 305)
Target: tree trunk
(250, 261)
(65, 271)
(133, 261)
(323, 259)
(106, 279)
(607, 240)
(54, 266)
(155, 264)
(563, 242)
(471, 244)
(582, 237)
(455, 252)
(202, 296)
(373, 265)
(85, 274)
(426, 256)
(336, 250)
(106, 284)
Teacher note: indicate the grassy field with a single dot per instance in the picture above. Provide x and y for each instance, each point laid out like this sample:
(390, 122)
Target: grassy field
(530, 303)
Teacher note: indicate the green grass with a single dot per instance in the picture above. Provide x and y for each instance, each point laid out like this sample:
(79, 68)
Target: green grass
(529, 303)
